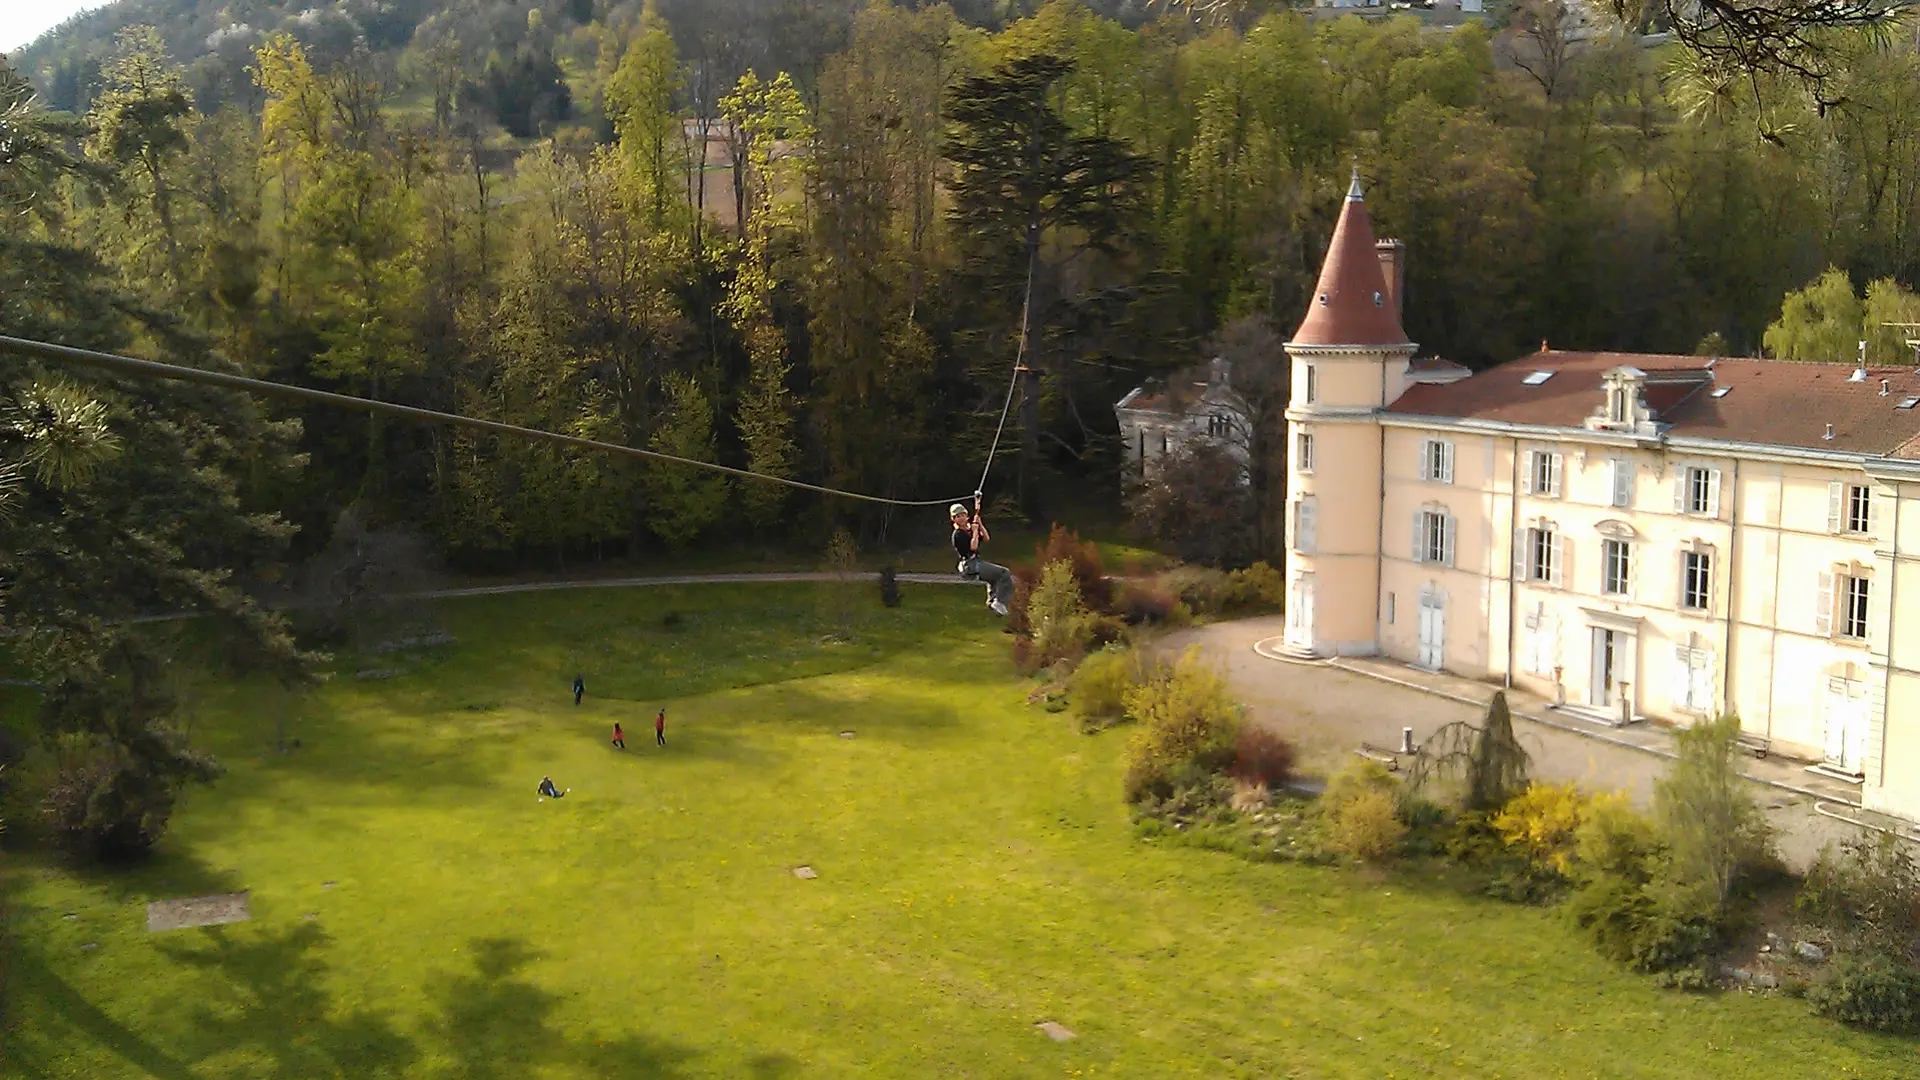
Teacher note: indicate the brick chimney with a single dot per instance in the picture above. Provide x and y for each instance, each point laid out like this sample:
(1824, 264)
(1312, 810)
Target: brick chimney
(1393, 266)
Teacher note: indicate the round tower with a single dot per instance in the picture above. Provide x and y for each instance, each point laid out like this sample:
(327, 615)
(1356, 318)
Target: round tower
(1349, 360)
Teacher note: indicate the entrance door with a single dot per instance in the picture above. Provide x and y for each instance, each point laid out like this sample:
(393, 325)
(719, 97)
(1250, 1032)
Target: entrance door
(1846, 709)
(1300, 612)
(1433, 629)
(1606, 648)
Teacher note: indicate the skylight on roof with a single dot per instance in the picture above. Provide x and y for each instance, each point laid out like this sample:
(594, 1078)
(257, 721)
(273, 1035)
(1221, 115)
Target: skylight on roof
(1536, 378)
(1908, 403)
(1722, 391)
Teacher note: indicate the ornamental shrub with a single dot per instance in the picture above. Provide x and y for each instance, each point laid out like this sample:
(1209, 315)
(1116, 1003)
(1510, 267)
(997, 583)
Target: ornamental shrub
(1188, 723)
(1098, 687)
(1542, 823)
(1870, 990)
(1360, 812)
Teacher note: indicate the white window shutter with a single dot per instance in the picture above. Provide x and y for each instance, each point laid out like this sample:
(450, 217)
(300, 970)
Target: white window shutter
(1680, 490)
(1622, 482)
(1309, 524)
(1446, 462)
(1526, 474)
(1426, 460)
(1520, 554)
(1823, 606)
(1713, 493)
(1559, 556)
(1553, 475)
(1874, 501)
(1836, 506)
(1419, 536)
(1447, 525)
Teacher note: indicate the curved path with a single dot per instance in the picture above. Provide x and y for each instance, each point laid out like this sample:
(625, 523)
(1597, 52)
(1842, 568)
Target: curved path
(906, 578)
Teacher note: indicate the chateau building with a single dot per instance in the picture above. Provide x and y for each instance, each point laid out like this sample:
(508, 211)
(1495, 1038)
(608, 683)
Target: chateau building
(1196, 405)
(1630, 536)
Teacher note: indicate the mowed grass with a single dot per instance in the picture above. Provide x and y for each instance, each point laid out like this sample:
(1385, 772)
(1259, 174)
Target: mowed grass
(419, 912)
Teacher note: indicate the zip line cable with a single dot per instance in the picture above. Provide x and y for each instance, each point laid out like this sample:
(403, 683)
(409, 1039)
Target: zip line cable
(1019, 359)
(154, 369)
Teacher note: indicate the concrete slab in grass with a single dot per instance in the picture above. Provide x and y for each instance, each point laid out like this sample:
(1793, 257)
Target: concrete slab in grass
(197, 911)
(1056, 1032)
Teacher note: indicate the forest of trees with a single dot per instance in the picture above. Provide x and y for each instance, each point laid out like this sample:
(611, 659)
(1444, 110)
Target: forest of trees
(526, 231)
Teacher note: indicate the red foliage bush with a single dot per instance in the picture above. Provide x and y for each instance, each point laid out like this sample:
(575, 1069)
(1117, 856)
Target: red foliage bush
(1088, 570)
(1261, 757)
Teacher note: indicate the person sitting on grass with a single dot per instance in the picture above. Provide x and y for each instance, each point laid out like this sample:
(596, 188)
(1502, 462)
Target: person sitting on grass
(547, 788)
(967, 534)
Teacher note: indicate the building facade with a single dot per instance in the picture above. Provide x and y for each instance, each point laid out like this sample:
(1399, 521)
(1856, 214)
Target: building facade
(1193, 406)
(1632, 537)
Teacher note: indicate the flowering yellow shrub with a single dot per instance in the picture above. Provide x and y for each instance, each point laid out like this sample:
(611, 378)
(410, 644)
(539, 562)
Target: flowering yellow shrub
(1542, 821)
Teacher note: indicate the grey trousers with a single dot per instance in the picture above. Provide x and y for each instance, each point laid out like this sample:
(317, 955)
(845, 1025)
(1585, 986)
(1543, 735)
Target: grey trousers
(999, 579)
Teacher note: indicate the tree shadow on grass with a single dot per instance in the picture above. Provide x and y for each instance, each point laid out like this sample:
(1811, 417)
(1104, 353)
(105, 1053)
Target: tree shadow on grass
(269, 1003)
(494, 1024)
(272, 1016)
(29, 978)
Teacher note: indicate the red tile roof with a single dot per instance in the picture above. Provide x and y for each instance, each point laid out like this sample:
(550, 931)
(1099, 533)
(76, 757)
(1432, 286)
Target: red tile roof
(1765, 401)
(1350, 306)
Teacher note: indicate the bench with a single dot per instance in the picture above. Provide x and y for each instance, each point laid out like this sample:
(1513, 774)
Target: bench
(1384, 757)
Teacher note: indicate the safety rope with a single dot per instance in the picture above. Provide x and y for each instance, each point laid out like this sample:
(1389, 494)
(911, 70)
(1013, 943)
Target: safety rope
(1013, 383)
(63, 354)
(128, 365)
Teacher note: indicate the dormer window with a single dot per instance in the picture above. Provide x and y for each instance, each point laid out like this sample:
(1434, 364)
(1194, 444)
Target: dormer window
(1378, 300)
(1323, 299)
(1623, 407)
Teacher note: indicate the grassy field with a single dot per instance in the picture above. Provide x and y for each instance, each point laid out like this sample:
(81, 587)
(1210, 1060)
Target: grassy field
(419, 912)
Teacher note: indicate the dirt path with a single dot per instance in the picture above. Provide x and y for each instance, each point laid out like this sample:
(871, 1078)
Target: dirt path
(1328, 713)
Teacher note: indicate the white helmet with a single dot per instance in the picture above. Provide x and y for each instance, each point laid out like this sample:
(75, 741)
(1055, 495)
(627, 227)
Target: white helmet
(956, 510)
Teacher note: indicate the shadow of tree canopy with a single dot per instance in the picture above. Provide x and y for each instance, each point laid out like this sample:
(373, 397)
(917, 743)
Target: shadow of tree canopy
(271, 1016)
(495, 1025)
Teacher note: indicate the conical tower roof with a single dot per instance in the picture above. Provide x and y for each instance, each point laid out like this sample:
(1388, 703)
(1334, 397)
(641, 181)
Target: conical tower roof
(1350, 306)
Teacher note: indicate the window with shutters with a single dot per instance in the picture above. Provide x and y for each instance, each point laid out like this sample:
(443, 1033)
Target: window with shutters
(1306, 513)
(1303, 452)
(1853, 609)
(1436, 461)
(1621, 474)
(1543, 554)
(1313, 385)
(1433, 532)
(1616, 568)
(1700, 491)
(1859, 508)
(1543, 474)
(1696, 580)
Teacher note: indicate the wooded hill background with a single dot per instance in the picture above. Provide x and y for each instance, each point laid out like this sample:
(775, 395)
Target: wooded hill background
(793, 236)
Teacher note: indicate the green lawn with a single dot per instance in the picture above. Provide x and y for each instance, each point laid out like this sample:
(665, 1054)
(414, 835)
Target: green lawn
(977, 874)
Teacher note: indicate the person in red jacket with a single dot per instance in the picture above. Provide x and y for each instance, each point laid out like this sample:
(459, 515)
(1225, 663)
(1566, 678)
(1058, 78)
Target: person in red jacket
(619, 737)
(660, 729)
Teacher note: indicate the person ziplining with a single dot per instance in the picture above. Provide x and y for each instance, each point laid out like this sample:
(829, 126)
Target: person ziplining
(968, 530)
(968, 533)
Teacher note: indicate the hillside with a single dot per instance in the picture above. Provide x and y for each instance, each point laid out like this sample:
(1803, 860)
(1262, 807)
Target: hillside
(215, 39)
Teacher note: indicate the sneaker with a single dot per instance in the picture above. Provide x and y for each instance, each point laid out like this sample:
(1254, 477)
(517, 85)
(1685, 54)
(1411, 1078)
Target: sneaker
(998, 607)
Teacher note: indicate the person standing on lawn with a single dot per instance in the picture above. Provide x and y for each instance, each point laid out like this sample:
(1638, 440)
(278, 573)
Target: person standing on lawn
(660, 729)
(968, 532)
(579, 689)
(619, 737)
